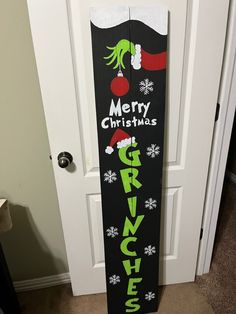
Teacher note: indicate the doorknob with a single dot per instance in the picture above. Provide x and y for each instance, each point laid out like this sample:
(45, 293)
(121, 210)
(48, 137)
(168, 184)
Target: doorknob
(64, 159)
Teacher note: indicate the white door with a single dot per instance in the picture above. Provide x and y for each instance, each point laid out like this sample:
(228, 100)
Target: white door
(62, 42)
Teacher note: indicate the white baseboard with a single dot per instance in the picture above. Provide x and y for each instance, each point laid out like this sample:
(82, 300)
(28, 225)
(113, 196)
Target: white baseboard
(43, 282)
(231, 176)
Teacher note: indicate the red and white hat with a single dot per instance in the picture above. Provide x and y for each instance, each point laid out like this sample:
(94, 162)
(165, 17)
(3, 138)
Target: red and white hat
(121, 138)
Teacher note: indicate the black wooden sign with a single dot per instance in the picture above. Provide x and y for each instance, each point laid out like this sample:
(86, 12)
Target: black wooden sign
(129, 58)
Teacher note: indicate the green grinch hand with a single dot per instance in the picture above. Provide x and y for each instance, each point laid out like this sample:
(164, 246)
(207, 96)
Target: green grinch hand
(119, 51)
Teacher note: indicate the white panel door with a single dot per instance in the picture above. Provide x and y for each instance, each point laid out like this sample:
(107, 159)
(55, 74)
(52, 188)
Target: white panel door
(62, 42)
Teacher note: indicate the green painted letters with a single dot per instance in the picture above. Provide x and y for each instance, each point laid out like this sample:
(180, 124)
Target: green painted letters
(133, 307)
(129, 227)
(124, 246)
(132, 201)
(132, 289)
(133, 159)
(129, 176)
(128, 267)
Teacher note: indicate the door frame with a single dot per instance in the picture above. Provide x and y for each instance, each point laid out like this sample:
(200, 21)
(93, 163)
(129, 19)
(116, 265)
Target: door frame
(220, 146)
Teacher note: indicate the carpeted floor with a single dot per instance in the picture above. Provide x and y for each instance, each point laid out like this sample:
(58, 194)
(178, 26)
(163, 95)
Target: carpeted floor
(212, 293)
(219, 286)
(175, 299)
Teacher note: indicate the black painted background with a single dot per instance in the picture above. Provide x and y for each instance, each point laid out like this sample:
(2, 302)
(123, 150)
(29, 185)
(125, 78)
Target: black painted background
(114, 199)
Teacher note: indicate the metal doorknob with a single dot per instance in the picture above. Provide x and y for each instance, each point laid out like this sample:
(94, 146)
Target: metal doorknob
(64, 159)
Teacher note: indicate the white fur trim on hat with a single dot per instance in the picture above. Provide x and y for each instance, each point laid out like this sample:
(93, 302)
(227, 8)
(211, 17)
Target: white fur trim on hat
(109, 150)
(137, 58)
(125, 142)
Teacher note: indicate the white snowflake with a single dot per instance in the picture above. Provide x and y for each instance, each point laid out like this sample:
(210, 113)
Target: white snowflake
(114, 279)
(149, 250)
(110, 176)
(149, 296)
(112, 232)
(153, 150)
(146, 86)
(150, 203)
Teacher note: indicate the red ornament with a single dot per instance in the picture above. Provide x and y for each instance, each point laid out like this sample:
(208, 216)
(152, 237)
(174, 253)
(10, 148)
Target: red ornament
(120, 85)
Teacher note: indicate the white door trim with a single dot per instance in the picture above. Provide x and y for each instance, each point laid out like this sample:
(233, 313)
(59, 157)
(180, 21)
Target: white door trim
(42, 282)
(220, 146)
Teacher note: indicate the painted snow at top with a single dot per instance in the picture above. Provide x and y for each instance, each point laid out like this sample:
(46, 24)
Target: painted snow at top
(156, 17)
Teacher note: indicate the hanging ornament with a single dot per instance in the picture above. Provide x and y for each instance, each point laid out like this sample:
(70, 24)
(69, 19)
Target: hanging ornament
(120, 85)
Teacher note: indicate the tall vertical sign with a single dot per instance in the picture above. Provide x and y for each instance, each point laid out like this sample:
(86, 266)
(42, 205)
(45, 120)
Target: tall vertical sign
(129, 59)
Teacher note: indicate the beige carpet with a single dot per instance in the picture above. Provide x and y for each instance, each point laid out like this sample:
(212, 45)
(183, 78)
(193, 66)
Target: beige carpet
(175, 299)
(219, 286)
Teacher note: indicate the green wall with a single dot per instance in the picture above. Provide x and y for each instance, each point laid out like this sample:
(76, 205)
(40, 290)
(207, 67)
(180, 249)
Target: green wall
(35, 246)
